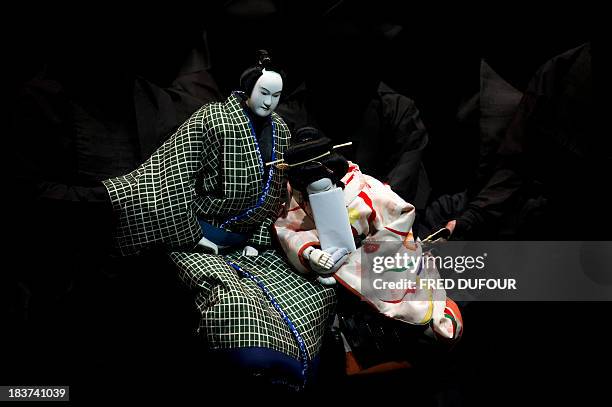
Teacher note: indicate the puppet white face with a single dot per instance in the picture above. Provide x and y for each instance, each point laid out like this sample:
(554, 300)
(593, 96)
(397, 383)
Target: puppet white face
(266, 92)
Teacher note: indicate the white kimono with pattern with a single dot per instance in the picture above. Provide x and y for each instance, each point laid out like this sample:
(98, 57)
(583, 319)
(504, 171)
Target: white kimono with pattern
(377, 212)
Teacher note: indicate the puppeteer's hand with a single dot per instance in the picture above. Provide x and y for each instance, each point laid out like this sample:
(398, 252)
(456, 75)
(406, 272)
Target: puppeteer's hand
(326, 262)
(451, 226)
(249, 251)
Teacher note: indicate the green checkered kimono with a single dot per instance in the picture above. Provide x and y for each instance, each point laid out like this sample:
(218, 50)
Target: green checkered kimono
(211, 169)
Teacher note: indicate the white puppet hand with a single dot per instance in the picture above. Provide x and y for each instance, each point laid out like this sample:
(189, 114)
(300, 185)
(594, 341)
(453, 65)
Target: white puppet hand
(326, 262)
(250, 251)
(338, 256)
(207, 246)
(318, 260)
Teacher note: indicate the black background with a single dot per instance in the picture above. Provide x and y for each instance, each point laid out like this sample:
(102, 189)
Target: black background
(110, 326)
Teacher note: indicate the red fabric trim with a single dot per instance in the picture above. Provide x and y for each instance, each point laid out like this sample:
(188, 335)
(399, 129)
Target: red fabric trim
(301, 258)
(408, 291)
(450, 304)
(352, 290)
(397, 232)
(368, 202)
(350, 179)
(352, 366)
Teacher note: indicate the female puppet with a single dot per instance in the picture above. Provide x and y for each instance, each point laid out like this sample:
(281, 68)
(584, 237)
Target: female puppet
(381, 222)
(209, 184)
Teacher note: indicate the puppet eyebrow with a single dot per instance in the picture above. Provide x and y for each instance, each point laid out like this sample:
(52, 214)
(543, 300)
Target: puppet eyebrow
(271, 92)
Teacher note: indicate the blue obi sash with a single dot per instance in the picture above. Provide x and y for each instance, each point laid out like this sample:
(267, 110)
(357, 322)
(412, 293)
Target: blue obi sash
(221, 237)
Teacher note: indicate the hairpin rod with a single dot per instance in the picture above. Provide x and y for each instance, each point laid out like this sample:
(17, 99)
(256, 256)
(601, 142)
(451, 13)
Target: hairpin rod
(333, 148)
(275, 161)
(342, 145)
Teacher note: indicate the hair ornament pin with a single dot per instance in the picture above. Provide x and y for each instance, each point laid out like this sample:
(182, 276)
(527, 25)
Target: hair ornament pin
(282, 165)
(342, 145)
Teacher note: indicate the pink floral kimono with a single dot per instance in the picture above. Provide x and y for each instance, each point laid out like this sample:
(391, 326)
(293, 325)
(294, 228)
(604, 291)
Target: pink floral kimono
(379, 214)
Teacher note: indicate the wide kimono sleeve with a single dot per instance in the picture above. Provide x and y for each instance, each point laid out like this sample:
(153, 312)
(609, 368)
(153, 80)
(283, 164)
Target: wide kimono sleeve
(153, 204)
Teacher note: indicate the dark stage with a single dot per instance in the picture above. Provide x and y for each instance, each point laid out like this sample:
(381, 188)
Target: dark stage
(112, 328)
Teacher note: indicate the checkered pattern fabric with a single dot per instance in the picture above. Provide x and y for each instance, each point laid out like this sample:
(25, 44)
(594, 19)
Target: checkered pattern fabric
(210, 169)
(235, 313)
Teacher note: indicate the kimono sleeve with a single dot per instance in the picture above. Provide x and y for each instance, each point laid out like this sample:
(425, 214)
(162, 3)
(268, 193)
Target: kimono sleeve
(153, 204)
(376, 210)
(388, 210)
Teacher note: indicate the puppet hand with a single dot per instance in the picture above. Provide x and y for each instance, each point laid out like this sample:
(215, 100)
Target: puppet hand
(338, 256)
(451, 226)
(207, 246)
(326, 262)
(249, 251)
(319, 260)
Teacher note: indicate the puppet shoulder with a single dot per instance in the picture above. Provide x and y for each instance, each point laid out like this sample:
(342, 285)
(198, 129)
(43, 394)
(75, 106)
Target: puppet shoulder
(282, 129)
